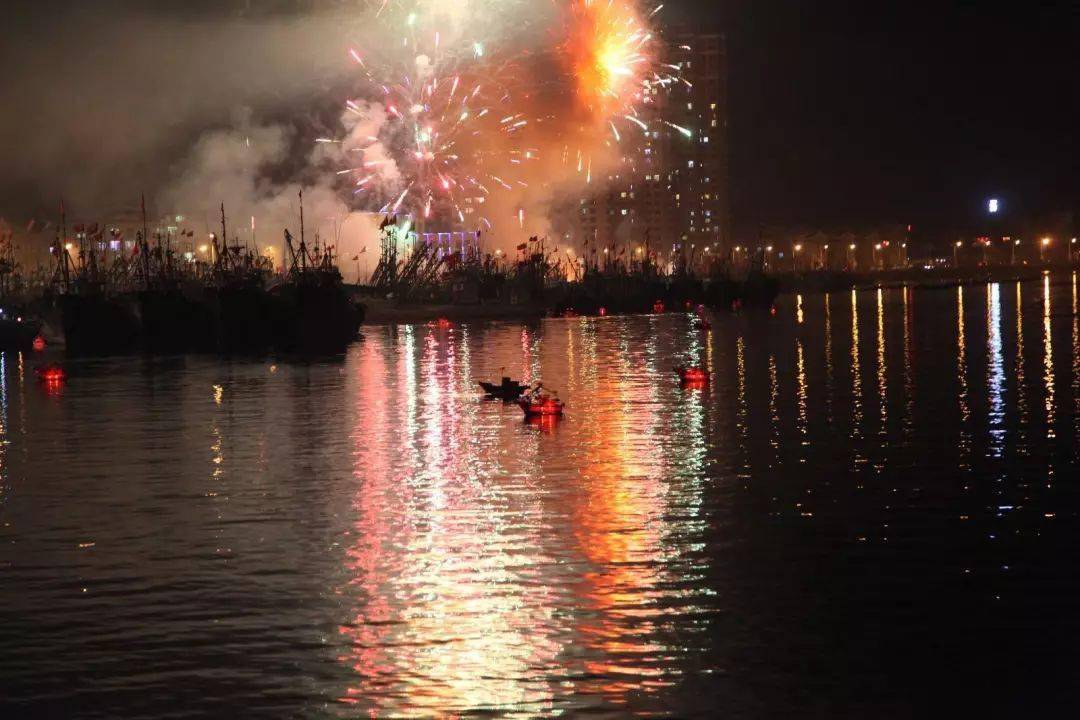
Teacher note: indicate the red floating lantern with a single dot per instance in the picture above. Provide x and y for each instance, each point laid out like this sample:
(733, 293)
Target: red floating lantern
(38, 344)
(51, 373)
(443, 323)
(658, 307)
(603, 311)
(692, 375)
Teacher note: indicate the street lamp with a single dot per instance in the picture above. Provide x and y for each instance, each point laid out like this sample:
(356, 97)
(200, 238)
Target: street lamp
(1042, 248)
(956, 253)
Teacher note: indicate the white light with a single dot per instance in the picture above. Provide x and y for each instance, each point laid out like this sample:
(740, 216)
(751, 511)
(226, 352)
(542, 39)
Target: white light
(993, 206)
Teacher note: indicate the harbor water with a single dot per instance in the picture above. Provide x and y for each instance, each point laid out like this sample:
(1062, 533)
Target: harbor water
(872, 510)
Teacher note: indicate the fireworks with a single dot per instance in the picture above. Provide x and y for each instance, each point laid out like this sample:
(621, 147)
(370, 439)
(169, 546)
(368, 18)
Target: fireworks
(450, 127)
(461, 114)
(607, 50)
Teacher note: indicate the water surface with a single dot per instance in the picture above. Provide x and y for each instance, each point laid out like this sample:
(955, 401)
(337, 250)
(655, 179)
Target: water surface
(870, 512)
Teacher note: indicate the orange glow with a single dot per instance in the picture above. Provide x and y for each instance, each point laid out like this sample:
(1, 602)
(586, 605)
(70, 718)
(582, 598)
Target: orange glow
(607, 49)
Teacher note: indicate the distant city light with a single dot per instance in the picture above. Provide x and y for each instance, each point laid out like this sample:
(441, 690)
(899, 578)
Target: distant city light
(994, 205)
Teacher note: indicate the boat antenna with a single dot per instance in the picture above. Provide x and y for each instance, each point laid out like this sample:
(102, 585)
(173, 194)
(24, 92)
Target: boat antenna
(301, 216)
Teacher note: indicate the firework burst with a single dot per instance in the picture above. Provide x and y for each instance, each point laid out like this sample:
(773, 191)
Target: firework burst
(462, 114)
(451, 129)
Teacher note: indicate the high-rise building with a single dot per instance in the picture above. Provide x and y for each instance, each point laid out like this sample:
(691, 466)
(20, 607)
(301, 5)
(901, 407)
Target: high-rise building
(670, 188)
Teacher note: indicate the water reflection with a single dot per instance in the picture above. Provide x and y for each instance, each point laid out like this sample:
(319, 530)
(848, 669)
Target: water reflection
(856, 374)
(3, 426)
(962, 398)
(829, 372)
(1021, 381)
(1048, 361)
(909, 379)
(443, 617)
(408, 550)
(1076, 354)
(461, 596)
(995, 380)
(882, 371)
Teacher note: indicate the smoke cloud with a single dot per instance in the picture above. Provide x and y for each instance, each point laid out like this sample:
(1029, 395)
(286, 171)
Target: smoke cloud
(199, 104)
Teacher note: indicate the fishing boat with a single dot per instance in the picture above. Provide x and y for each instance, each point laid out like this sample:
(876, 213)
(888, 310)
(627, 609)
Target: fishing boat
(541, 403)
(507, 390)
(314, 314)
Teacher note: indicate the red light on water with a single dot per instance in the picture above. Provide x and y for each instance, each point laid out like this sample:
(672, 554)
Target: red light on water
(658, 306)
(603, 312)
(692, 375)
(51, 374)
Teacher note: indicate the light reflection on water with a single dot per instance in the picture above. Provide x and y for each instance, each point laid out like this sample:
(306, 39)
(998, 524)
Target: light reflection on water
(368, 538)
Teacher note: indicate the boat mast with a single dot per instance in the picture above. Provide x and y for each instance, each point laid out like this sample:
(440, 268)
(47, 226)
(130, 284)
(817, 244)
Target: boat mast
(303, 247)
(224, 237)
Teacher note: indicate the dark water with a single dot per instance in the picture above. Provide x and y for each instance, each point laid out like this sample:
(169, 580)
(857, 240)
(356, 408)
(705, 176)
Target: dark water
(871, 512)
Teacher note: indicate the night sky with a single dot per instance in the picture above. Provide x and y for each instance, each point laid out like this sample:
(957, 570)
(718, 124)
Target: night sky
(843, 114)
(848, 112)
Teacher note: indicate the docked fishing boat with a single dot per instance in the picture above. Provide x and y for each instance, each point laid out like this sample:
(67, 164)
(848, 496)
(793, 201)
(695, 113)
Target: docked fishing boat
(314, 314)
